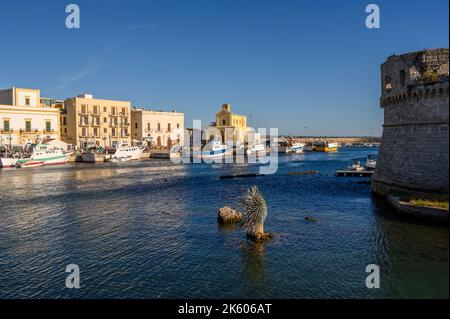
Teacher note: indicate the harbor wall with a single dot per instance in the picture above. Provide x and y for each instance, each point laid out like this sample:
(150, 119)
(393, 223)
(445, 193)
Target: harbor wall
(414, 154)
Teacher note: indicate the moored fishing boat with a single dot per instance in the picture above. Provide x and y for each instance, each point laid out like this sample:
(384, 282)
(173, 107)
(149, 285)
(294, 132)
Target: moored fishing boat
(309, 147)
(6, 162)
(46, 154)
(371, 162)
(257, 149)
(295, 148)
(212, 149)
(125, 153)
(326, 146)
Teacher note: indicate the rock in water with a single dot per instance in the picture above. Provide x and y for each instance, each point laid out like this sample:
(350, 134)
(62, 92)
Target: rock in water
(228, 215)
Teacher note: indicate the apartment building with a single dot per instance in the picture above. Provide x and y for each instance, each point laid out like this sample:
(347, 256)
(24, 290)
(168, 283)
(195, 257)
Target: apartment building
(25, 119)
(86, 119)
(157, 128)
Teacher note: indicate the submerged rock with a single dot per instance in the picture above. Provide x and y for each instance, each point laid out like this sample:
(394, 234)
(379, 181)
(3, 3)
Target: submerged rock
(311, 219)
(229, 215)
(260, 237)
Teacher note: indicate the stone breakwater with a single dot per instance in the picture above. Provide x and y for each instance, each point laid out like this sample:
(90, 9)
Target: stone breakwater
(413, 157)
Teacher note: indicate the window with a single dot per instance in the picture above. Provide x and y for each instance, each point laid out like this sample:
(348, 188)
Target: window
(388, 83)
(83, 132)
(123, 111)
(159, 127)
(113, 131)
(105, 130)
(96, 131)
(84, 108)
(136, 125)
(402, 77)
(178, 125)
(65, 130)
(95, 109)
(113, 110)
(105, 120)
(168, 127)
(6, 125)
(148, 126)
(27, 100)
(48, 126)
(28, 126)
(223, 122)
(105, 109)
(64, 120)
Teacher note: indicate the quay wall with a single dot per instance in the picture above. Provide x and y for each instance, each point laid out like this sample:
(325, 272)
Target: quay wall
(414, 153)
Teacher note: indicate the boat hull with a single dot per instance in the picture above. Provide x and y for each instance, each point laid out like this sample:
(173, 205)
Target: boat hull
(325, 149)
(46, 159)
(125, 154)
(7, 162)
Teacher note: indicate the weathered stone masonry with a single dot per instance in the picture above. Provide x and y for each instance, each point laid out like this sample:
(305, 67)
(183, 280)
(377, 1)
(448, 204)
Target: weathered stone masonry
(413, 157)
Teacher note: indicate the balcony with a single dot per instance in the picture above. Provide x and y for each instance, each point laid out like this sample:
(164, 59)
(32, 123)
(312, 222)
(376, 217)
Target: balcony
(123, 114)
(95, 123)
(113, 114)
(49, 131)
(113, 124)
(6, 131)
(124, 124)
(83, 113)
(29, 132)
(83, 124)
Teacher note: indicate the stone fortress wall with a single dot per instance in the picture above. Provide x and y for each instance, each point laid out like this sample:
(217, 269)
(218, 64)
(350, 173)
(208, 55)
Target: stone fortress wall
(414, 153)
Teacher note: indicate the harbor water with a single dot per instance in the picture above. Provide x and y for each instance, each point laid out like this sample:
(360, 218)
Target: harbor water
(148, 229)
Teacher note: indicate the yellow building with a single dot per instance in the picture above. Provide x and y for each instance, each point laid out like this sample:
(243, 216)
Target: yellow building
(233, 127)
(25, 119)
(103, 122)
(157, 128)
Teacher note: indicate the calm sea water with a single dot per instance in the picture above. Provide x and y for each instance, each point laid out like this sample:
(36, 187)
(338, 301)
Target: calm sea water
(149, 229)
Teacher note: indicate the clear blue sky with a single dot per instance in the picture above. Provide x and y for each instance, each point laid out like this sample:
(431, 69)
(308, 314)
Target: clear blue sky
(289, 63)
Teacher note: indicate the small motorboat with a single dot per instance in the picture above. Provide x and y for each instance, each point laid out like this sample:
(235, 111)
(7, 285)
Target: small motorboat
(356, 167)
(212, 149)
(371, 162)
(29, 164)
(257, 149)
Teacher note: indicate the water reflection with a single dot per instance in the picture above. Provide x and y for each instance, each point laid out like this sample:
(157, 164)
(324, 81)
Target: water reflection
(253, 255)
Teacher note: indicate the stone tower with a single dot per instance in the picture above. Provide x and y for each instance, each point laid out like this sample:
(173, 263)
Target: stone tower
(413, 158)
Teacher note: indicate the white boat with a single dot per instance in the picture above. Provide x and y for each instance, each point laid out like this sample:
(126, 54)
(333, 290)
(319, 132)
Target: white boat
(212, 149)
(257, 149)
(47, 154)
(6, 162)
(371, 162)
(309, 147)
(125, 153)
(356, 167)
(295, 148)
